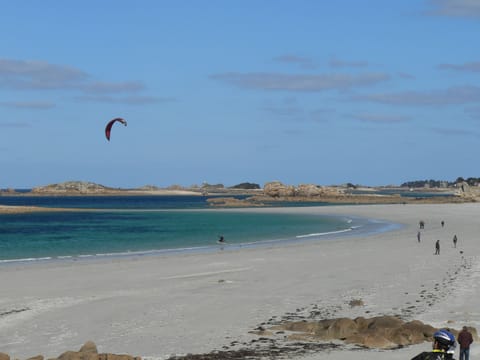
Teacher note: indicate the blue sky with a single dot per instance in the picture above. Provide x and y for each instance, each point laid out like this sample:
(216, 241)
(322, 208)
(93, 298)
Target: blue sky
(370, 92)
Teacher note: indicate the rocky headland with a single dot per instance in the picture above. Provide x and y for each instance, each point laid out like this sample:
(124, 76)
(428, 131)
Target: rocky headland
(72, 188)
(276, 192)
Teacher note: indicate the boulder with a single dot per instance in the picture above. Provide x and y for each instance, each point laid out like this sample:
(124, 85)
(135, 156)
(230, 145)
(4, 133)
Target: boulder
(38, 357)
(371, 341)
(87, 352)
(299, 326)
(89, 347)
(308, 190)
(341, 329)
(381, 332)
(384, 322)
(76, 355)
(277, 189)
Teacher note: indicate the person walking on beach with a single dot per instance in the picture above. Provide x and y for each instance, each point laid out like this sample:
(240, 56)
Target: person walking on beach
(455, 240)
(443, 223)
(443, 347)
(418, 236)
(437, 247)
(464, 339)
(421, 224)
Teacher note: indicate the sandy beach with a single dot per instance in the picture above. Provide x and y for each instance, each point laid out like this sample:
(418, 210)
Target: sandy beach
(155, 306)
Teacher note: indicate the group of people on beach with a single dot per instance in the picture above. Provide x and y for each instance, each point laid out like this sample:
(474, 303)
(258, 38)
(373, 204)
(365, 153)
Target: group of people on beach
(444, 344)
(421, 226)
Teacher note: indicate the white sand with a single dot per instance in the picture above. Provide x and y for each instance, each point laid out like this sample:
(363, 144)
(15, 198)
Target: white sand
(192, 303)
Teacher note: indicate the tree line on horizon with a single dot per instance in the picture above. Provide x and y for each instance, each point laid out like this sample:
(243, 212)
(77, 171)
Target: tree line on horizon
(471, 181)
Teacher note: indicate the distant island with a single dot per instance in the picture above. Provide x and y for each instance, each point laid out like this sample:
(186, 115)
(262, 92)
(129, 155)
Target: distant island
(461, 190)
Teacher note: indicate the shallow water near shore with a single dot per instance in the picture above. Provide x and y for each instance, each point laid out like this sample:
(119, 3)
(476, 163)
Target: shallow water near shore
(124, 226)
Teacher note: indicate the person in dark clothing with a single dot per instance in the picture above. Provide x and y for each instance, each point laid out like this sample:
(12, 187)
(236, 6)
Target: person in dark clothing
(443, 347)
(455, 241)
(464, 339)
(437, 247)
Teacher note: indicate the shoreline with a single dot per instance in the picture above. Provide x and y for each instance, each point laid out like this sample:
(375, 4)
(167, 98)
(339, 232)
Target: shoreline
(357, 227)
(197, 303)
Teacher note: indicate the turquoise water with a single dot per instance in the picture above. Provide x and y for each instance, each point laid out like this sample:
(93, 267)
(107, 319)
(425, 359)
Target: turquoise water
(141, 225)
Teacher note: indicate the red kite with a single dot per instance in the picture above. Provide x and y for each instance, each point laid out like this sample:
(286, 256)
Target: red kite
(108, 129)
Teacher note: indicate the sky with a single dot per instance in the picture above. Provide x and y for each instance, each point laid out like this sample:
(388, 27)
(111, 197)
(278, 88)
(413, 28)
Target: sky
(369, 92)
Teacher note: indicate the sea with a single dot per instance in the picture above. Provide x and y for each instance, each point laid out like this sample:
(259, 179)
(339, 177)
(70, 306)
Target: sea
(116, 226)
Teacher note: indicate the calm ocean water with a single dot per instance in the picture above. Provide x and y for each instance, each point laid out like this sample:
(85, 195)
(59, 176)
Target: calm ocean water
(126, 225)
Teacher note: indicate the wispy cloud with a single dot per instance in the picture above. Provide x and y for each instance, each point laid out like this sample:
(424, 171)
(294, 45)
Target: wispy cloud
(22, 75)
(380, 118)
(301, 61)
(455, 8)
(283, 110)
(112, 87)
(450, 96)
(468, 67)
(40, 105)
(306, 83)
(404, 75)
(454, 132)
(129, 100)
(18, 125)
(337, 63)
(40, 75)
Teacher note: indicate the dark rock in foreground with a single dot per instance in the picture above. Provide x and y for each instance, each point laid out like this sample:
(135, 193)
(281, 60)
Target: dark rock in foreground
(381, 332)
(292, 339)
(87, 352)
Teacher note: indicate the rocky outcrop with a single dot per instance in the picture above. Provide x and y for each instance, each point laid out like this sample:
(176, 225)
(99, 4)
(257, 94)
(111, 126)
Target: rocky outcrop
(232, 202)
(276, 189)
(87, 352)
(467, 192)
(381, 332)
(278, 192)
(310, 190)
(73, 187)
(8, 191)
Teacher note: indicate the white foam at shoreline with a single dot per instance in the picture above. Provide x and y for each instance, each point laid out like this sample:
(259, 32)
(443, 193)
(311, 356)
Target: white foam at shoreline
(378, 226)
(324, 233)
